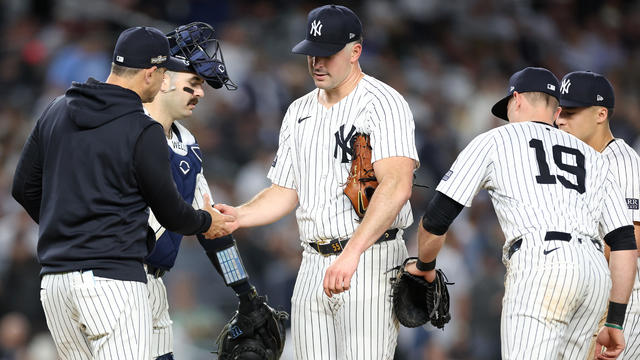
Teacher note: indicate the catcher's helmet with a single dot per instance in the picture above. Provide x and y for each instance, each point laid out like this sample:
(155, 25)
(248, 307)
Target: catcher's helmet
(196, 44)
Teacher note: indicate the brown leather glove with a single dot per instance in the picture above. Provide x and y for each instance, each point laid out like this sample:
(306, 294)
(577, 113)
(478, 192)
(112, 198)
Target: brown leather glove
(362, 181)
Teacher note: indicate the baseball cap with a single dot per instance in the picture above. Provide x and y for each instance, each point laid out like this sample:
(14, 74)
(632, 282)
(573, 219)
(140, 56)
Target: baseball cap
(329, 29)
(530, 79)
(586, 88)
(142, 47)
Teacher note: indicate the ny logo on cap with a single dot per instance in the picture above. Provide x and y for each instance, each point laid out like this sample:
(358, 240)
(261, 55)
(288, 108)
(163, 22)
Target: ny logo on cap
(316, 28)
(564, 88)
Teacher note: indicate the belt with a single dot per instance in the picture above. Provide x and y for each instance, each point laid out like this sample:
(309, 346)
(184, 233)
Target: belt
(335, 246)
(156, 272)
(549, 236)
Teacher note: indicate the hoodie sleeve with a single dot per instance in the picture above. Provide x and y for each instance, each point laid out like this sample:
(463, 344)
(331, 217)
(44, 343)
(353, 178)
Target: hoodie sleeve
(153, 172)
(27, 181)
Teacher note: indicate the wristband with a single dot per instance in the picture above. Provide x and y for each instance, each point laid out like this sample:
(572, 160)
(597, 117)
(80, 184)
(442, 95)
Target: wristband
(614, 326)
(423, 266)
(615, 316)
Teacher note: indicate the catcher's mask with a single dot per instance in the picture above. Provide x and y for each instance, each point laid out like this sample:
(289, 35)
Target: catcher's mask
(196, 43)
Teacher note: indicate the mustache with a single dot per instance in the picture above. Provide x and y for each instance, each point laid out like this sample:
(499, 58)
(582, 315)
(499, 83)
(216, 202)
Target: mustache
(193, 101)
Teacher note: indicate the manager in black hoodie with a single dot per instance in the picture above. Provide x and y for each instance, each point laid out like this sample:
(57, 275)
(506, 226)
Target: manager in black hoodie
(90, 169)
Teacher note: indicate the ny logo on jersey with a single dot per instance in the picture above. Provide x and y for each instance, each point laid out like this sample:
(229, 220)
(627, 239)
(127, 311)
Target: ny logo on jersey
(344, 143)
(316, 28)
(564, 88)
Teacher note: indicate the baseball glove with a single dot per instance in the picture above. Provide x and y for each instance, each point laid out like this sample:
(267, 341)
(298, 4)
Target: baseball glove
(362, 181)
(256, 331)
(417, 301)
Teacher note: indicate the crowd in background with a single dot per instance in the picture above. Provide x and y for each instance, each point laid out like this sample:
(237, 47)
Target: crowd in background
(450, 59)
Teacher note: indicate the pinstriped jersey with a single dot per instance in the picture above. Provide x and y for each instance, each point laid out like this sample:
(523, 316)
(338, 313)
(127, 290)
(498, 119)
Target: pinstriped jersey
(539, 179)
(314, 153)
(625, 165)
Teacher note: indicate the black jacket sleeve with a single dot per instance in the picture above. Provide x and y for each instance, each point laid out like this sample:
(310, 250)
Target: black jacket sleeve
(151, 162)
(27, 181)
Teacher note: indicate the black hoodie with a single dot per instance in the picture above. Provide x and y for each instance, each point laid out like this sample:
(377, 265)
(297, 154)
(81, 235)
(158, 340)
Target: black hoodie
(91, 167)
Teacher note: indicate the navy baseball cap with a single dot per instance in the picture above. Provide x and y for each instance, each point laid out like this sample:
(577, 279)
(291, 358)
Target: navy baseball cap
(531, 79)
(584, 89)
(329, 29)
(142, 47)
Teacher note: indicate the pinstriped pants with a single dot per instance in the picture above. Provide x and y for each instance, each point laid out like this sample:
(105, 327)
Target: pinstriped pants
(357, 324)
(162, 338)
(97, 318)
(552, 303)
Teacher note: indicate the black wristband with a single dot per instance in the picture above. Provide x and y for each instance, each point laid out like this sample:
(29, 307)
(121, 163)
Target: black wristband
(423, 266)
(616, 313)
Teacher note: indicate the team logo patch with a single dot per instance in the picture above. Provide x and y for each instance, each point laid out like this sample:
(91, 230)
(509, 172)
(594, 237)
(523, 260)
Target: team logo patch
(316, 28)
(447, 175)
(632, 204)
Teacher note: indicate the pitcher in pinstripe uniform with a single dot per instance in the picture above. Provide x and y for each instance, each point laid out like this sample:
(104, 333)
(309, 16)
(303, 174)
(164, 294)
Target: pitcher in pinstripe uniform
(554, 195)
(341, 306)
(587, 100)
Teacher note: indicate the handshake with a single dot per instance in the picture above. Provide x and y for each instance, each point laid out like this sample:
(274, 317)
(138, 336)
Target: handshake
(222, 223)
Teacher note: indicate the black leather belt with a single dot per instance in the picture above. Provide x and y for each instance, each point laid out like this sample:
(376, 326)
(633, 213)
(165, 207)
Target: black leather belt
(335, 246)
(549, 236)
(157, 272)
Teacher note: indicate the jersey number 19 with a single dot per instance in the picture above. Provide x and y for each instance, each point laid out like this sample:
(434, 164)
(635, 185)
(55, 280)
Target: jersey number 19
(546, 177)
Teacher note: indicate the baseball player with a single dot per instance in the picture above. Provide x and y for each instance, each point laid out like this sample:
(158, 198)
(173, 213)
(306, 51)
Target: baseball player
(553, 196)
(92, 166)
(587, 101)
(180, 92)
(341, 305)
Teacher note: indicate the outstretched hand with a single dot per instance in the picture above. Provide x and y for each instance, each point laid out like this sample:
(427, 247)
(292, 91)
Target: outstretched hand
(232, 211)
(221, 224)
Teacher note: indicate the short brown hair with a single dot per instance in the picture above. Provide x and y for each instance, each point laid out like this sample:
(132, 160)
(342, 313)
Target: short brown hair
(535, 97)
(123, 71)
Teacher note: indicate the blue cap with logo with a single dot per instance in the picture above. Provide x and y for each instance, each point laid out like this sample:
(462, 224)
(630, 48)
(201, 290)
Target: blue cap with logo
(584, 89)
(142, 47)
(530, 79)
(329, 29)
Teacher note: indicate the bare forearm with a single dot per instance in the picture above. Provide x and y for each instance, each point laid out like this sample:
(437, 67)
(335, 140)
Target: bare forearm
(429, 245)
(269, 206)
(387, 201)
(623, 271)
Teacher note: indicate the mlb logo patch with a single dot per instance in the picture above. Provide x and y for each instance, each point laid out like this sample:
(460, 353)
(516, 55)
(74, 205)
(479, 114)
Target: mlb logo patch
(447, 175)
(632, 204)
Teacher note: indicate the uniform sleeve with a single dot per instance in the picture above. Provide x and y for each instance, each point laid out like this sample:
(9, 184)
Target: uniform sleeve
(470, 172)
(614, 211)
(392, 129)
(281, 171)
(27, 181)
(151, 162)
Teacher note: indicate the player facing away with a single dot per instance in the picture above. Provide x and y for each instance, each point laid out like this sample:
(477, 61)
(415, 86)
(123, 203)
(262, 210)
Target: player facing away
(341, 304)
(181, 90)
(587, 100)
(553, 196)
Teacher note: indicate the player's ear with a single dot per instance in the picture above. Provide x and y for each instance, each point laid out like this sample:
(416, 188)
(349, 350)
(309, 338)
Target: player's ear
(556, 114)
(601, 114)
(148, 74)
(356, 51)
(166, 82)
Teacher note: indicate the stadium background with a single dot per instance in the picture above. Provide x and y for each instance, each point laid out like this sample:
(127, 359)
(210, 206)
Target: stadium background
(450, 59)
